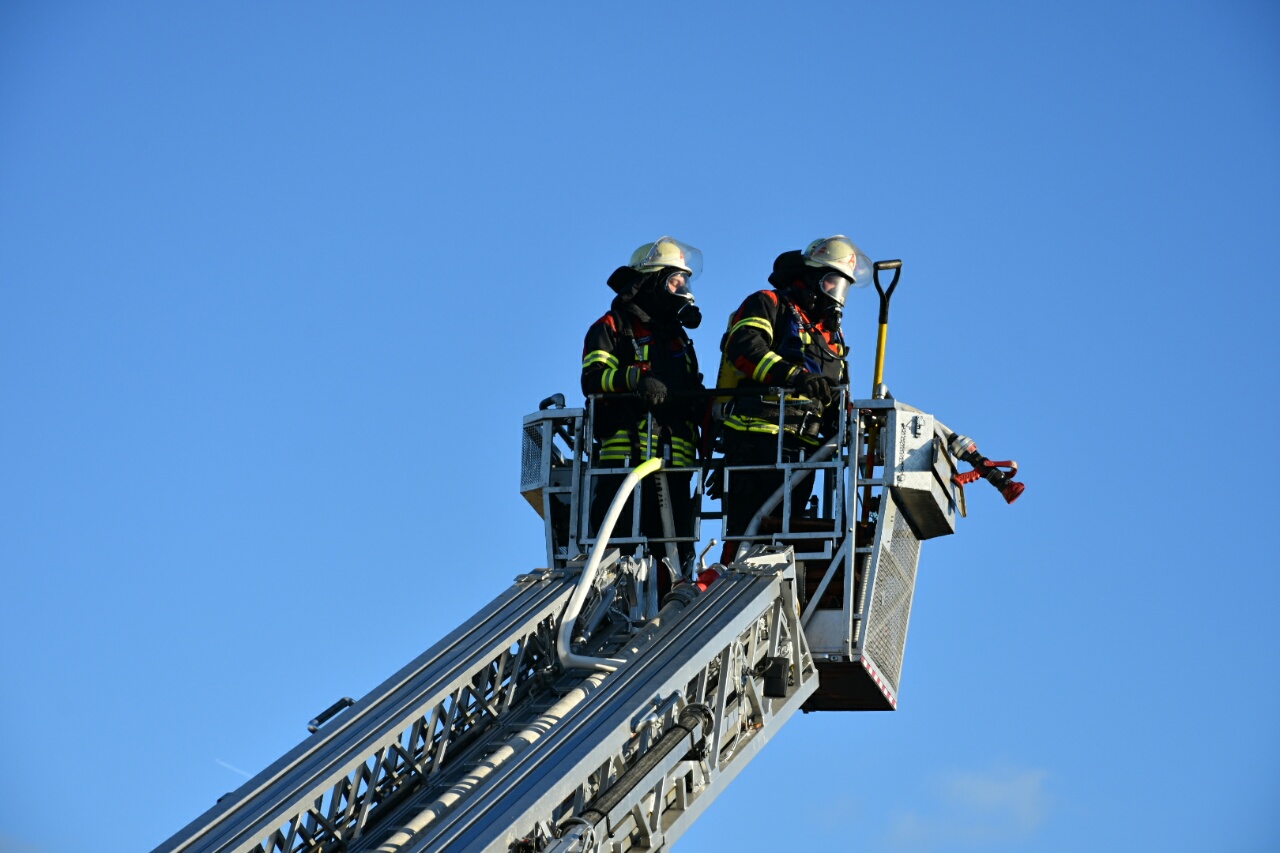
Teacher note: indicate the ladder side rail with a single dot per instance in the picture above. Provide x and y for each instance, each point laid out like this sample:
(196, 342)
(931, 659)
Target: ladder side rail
(358, 717)
(527, 772)
(450, 726)
(302, 788)
(595, 734)
(664, 802)
(718, 681)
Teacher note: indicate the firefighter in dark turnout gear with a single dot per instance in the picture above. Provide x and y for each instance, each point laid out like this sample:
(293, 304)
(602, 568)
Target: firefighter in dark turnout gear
(788, 337)
(639, 356)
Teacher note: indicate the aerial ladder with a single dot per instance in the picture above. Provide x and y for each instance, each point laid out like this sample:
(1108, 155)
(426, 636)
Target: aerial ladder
(579, 711)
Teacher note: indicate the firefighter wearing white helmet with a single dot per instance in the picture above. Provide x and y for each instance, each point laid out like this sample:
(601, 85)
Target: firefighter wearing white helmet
(640, 361)
(785, 337)
(850, 268)
(669, 267)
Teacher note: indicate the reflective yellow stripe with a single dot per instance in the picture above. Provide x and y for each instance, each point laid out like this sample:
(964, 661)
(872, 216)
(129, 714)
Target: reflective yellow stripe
(616, 452)
(743, 424)
(606, 381)
(759, 425)
(754, 323)
(766, 363)
(617, 447)
(600, 357)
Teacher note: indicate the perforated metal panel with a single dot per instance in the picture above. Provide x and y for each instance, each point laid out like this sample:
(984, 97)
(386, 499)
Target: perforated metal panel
(891, 599)
(531, 457)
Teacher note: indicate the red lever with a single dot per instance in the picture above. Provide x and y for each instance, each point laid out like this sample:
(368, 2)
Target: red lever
(991, 471)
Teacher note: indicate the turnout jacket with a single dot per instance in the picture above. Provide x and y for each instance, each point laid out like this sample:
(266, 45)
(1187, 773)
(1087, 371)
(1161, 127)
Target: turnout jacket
(770, 342)
(619, 349)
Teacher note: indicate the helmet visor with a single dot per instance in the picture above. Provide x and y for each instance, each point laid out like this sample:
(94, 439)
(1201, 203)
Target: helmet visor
(668, 252)
(834, 285)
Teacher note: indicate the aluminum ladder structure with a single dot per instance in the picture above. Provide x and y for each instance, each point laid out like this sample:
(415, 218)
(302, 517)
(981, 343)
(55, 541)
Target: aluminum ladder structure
(630, 765)
(490, 741)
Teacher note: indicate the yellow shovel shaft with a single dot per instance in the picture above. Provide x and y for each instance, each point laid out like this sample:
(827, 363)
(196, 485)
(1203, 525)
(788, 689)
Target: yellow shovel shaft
(884, 334)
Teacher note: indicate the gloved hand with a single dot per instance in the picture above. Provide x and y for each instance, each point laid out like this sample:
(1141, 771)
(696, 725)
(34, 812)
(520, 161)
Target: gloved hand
(690, 316)
(814, 387)
(652, 390)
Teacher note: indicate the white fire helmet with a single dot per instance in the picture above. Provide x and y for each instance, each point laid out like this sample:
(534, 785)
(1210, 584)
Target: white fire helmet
(667, 252)
(842, 255)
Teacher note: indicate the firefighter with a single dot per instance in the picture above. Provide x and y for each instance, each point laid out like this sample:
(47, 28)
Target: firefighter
(640, 358)
(787, 337)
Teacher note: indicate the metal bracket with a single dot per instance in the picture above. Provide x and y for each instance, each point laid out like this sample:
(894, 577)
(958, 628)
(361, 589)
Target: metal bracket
(546, 575)
(655, 710)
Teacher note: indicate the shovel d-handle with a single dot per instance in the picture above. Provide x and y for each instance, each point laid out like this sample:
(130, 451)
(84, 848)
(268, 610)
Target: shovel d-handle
(885, 295)
(882, 337)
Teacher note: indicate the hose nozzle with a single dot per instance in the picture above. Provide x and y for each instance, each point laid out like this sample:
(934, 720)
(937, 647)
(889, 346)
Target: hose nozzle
(966, 450)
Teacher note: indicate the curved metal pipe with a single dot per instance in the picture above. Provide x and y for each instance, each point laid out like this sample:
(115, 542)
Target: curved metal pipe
(818, 455)
(568, 659)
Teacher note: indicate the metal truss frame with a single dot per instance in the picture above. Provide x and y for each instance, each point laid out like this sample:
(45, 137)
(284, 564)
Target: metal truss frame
(325, 792)
(717, 656)
(662, 800)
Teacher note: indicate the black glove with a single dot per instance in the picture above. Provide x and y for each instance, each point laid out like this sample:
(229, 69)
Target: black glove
(652, 390)
(690, 316)
(814, 387)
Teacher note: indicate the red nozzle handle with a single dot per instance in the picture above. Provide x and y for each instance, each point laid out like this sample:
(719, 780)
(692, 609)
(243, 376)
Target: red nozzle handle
(992, 471)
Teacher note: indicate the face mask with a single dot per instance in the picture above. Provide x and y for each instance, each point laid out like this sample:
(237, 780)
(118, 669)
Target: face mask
(676, 286)
(690, 316)
(671, 294)
(834, 286)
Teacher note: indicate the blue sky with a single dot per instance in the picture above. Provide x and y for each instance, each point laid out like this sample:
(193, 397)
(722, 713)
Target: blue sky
(278, 281)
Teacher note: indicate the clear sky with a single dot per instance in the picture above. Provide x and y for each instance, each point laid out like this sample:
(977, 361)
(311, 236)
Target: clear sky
(279, 280)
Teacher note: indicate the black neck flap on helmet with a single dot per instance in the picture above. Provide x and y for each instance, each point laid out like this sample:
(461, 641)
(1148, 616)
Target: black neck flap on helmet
(626, 282)
(787, 268)
(790, 277)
